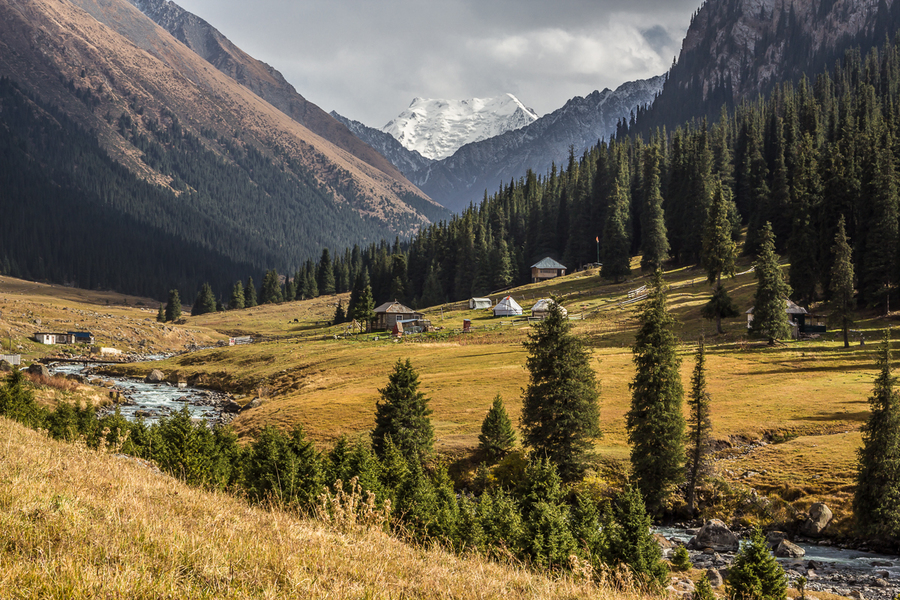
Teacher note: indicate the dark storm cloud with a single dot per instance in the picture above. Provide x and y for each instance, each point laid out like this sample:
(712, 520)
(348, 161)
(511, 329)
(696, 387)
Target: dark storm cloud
(368, 60)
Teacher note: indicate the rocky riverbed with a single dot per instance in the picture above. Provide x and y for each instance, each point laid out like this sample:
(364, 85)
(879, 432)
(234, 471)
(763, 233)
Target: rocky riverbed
(848, 573)
(151, 400)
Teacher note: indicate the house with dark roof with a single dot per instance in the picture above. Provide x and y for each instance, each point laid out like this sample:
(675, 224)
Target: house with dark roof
(546, 268)
(388, 314)
(799, 319)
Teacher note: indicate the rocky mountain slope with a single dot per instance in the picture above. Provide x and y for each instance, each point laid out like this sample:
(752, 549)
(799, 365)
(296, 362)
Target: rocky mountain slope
(738, 49)
(438, 128)
(261, 78)
(197, 159)
(408, 161)
(463, 177)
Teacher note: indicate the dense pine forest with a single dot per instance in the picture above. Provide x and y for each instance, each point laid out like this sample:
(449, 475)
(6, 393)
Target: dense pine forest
(801, 159)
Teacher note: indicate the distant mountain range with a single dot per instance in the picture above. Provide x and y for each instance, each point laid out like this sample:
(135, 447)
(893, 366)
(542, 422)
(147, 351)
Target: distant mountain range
(463, 177)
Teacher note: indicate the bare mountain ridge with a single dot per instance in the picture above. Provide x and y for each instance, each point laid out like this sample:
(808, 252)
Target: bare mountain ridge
(261, 78)
(127, 65)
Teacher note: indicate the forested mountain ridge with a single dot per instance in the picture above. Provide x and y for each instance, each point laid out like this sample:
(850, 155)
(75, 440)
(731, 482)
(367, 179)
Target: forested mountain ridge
(215, 166)
(739, 49)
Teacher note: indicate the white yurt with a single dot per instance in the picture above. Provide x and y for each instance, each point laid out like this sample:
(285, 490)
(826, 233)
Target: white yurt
(541, 308)
(507, 308)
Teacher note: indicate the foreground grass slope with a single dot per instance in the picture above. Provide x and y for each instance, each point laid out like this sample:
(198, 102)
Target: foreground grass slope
(80, 524)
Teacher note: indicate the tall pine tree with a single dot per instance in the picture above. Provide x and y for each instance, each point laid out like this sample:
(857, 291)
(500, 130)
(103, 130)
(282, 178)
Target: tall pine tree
(559, 409)
(699, 427)
(770, 301)
(718, 257)
(876, 502)
(403, 414)
(655, 422)
(842, 282)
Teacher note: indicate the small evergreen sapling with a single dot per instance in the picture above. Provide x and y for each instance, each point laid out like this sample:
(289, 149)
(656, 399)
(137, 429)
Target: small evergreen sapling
(755, 573)
(497, 435)
(681, 559)
(627, 539)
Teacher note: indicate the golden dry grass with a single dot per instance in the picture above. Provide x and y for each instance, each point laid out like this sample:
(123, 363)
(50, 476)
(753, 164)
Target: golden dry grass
(124, 322)
(79, 524)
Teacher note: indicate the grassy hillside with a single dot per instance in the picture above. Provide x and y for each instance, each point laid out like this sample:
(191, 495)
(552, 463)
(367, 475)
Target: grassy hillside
(80, 524)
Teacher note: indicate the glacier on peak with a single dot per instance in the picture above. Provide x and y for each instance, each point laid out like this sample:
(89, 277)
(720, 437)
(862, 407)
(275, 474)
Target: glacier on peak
(436, 128)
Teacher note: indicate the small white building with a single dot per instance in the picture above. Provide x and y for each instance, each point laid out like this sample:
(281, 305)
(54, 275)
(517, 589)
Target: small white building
(479, 303)
(507, 308)
(541, 308)
(50, 339)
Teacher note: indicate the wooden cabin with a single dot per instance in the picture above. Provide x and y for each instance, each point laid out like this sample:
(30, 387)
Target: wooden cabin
(546, 268)
(387, 315)
(799, 320)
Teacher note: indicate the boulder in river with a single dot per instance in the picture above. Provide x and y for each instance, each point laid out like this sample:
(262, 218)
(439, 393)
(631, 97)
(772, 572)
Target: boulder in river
(819, 518)
(39, 369)
(715, 535)
(155, 376)
(773, 538)
(787, 549)
(230, 406)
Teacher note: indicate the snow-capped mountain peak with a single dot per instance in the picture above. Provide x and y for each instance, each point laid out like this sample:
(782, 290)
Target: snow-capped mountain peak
(437, 128)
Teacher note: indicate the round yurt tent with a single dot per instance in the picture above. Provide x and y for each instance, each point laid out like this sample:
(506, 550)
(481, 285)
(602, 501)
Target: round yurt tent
(541, 308)
(507, 308)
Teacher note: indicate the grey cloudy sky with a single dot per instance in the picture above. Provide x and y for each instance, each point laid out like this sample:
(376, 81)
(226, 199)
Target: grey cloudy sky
(368, 59)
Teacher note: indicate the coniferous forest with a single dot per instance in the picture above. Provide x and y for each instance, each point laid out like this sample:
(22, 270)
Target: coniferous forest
(801, 159)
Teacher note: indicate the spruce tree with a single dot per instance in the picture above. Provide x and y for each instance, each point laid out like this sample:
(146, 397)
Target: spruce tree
(559, 409)
(842, 282)
(718, 256)
(770, 301)
(325, 276)
(403, 414)
(161, 315)
(173, 306)
(655, 422)
(755, 573)
(699, 427)
(364, 309)
(271, 288)
(237, 296)
(205, 302)
(876, 502)
(497, 435)
(654, 241)
(339, 315)
(249, 293)
(616, 244)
